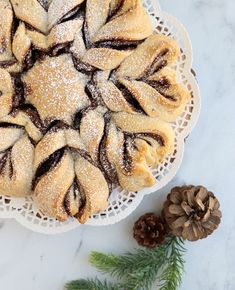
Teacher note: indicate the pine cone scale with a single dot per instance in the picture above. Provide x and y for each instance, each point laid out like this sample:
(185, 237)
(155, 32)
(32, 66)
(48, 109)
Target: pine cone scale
(180, 222)
(176, 209)
(189, 195)
(187, 209)
(200, 204)
(201, 193)
(175, 198)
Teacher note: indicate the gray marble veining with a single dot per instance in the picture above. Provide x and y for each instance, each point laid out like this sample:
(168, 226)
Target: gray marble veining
(30, 261)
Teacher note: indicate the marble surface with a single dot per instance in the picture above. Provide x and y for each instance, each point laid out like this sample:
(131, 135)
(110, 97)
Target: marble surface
(31, 261)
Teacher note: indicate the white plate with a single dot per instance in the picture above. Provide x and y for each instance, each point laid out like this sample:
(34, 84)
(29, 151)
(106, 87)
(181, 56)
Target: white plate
(122, 203)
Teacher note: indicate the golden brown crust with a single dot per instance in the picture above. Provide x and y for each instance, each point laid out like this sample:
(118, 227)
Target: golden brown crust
(17, 172)
(144, 124)
(17, 154)
(6, 21)
(131, 24)
(139, 176)
(153, 51)
(92, 135)
(160, 95)
(105, 58)
(31, 12)
(59, 9)
(97, 12)
(21, 44)
(6, 89)
(22, 118)
(96, 189)
(64, 32)
(38, 39)
(114, 98)
(51, 190)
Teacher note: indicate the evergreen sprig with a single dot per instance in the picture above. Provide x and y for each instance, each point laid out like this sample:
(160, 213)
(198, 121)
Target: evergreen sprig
(171, 276)
(138, 270)
(90, 284)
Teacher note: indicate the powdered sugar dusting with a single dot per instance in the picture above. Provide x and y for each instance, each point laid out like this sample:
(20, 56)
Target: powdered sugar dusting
(58, 92)
(60, 8)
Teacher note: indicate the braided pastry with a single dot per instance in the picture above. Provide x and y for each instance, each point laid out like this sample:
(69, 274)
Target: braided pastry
(87, 94)
(61, 186)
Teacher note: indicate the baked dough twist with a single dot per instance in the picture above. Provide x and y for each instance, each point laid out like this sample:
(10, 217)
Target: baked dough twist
(87, 94)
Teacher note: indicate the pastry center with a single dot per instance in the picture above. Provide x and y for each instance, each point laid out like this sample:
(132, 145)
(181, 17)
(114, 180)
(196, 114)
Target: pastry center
(56, 88)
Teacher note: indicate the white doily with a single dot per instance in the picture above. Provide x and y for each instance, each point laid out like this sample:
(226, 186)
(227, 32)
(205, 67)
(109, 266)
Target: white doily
(122, 203)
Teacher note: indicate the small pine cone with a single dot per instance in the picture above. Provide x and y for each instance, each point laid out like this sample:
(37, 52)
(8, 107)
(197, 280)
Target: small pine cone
(149, 231)
(192, 212)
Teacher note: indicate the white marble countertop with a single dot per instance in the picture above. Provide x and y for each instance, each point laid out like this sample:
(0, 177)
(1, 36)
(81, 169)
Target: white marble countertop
(31, 261)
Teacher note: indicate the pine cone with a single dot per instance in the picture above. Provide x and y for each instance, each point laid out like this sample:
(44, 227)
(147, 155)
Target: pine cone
(149, 231)
(192, 212)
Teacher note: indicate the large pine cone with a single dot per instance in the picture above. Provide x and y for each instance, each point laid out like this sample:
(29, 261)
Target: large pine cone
(192, 212)
(149, 231)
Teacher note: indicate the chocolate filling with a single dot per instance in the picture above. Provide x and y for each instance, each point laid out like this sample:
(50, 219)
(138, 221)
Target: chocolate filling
(85, 35)
(14, 27)
(130, 98)
(83, 67)
(84, 154)
(31, 111)
(9, 125)
(119, 44)
(1, 93)
(7, 63)
(161, 86)
(77, 120)
(156, 137)
(11, 169)
(3, 160)
(48, 164)
(127, 161)
(55, 126)
(60, 49)
(159, 60)
(93, 94)
(78, 194)
(18, 96)
(106, 166)
(3, 45)
(34, 143)
(160, 65)
(119, 5)
(72, 14)
(28, 59)
(44, 4)
(35, 54)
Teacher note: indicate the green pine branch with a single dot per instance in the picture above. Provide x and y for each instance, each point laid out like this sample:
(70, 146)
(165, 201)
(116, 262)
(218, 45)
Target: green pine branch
(90, 284)
(138, 270)
(171, 276)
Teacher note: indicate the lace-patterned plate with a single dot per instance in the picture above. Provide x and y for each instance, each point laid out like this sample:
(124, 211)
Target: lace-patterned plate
(121, 202)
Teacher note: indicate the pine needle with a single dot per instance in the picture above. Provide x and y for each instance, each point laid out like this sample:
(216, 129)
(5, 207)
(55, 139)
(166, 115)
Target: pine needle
(90, 284)
(140, 268)
(171, 276)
